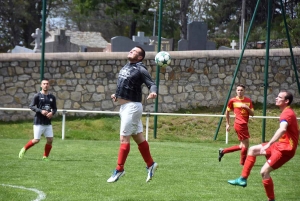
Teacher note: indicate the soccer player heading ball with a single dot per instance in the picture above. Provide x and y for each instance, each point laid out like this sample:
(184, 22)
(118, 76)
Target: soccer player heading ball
(129, 96)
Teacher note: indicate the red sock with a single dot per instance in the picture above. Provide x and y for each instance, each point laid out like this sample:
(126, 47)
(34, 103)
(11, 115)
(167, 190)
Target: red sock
(269, 188)
(145, 152)
(243, 155)
(48, 148)
(28, 145)
(123, 153)
(249, 163)
(231, 149)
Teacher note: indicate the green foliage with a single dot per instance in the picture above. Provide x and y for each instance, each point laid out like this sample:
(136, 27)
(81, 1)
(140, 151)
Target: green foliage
(12, 18)
(258, 34)
(293, 27)
(89, 4)
(221, 42)
(19, 19)
(125, 18)
(224, 18)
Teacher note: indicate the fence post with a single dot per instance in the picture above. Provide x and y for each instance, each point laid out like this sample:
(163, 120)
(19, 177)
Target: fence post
(63, 124)
(147, 125)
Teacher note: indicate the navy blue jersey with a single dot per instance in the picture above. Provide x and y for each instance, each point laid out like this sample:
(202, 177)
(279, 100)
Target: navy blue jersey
(130, 80)
(43, 102)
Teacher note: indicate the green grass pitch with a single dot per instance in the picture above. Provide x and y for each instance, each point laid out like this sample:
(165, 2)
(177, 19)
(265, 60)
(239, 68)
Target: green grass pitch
(78, 170)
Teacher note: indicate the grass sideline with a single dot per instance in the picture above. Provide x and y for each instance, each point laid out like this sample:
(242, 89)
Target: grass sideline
(78, 170)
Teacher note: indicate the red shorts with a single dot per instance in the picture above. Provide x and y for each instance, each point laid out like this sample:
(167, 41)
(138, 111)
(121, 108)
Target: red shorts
(276, 158)
(242, 131)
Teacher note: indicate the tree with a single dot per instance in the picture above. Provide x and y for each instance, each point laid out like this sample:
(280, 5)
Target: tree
(197, 11)
(11, 19)
(170, 20)
(19, 19)
(293, 22)
(126, 14)
(124, 18)
(226, 15)
(184, 6)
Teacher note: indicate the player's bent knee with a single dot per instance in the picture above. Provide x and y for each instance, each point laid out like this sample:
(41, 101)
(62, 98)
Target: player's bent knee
(35, 141)
(49, 140)
(265, 174)
(251, 151)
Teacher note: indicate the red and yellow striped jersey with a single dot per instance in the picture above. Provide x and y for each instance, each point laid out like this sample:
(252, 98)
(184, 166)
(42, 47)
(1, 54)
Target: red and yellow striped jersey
(241, 114)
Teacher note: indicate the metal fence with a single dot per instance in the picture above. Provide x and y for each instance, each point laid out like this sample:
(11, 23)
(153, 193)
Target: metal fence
(148, 114)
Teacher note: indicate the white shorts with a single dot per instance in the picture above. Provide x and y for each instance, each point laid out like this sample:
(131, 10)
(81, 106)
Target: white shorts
(38, 130)
(131, 114)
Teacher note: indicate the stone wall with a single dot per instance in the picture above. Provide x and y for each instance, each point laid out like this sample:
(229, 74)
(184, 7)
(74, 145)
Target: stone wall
(85, 81)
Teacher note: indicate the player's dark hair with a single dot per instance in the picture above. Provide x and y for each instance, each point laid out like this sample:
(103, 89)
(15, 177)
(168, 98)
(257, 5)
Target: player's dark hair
(241, 85)
(142, 53)
(289, 96)
(44, 79)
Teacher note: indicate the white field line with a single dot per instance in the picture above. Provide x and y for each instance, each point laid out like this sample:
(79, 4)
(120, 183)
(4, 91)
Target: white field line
(41, 194)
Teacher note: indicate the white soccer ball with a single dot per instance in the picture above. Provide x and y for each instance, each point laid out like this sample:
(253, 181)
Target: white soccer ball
(162, 59)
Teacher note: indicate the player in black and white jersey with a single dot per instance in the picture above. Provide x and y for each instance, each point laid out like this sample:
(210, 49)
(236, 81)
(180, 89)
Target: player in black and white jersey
(44, 106)
(129, 96)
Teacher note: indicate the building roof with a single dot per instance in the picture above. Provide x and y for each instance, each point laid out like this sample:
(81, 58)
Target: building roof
(89, 39)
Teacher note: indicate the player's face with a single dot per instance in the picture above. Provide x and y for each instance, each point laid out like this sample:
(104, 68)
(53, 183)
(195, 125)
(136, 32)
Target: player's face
(240, 91)
(134, 55)
(280, 99)
(45, 85)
